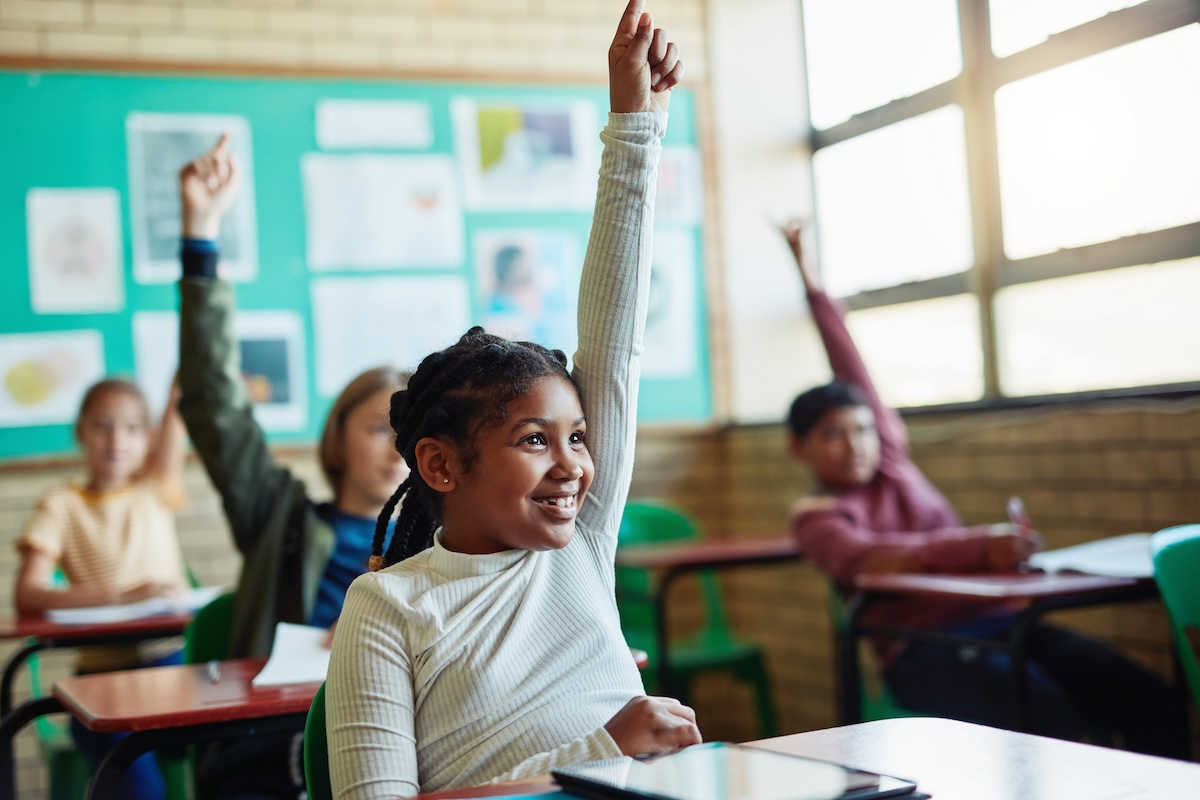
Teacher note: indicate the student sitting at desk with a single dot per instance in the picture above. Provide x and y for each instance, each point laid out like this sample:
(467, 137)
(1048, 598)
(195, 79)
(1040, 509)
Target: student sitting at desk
(487, 646)
(873, 511)
(299, 555)
(114, 541)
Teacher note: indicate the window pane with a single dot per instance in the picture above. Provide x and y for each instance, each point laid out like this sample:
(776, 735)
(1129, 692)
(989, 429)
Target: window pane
(1020, 24)
(865, 53)
(922, 353)
(892, 205)
(1102, 148)
(1135, 326)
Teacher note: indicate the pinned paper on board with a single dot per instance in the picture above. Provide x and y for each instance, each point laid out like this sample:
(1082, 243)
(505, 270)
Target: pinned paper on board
(43, 376)
(381, 211)
(671, 317)
(374, 124)
(528, 285)
(526, 156)
(679, 197)
(160, 145)
(365, 322)
(75, 250)
(271, 349)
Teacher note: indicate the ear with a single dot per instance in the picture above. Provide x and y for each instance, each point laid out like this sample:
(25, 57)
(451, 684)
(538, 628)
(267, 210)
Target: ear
(796, 448)
(437, 461)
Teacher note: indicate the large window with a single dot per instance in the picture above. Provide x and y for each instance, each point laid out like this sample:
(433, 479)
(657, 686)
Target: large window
(1007, 192)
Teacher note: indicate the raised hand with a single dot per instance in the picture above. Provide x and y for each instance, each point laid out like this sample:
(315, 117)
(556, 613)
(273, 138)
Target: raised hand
(792, 230)
(653, 725)
(643, 66)
(207, 187)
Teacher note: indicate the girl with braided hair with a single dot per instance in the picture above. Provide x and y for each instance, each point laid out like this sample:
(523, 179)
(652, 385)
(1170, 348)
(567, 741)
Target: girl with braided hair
(487, 646)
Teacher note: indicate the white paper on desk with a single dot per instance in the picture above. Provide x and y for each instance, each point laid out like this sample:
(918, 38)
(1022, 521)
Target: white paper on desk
(1125, 556)
(191, 600)
(299, 655)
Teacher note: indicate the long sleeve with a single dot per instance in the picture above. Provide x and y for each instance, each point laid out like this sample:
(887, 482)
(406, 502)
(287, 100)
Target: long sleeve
(847, 365)
(613, 300)
(217, 412)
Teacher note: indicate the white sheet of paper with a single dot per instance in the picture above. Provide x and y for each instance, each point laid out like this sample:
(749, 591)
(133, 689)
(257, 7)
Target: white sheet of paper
(671, 319)
(381, 211)
(364, 322)
(75, 250)
(159, 146)
(43, 376)
(1125, 556)
(190, 601)
(299, 655)
(528, 155)
(273, 362)
(374, 123)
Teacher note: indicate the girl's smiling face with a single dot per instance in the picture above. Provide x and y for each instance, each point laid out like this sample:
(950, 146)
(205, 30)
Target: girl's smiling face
(528, 477)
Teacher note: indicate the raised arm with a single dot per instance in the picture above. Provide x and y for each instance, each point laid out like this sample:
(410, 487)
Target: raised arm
(169, 451)
(213, 399)
(844, 358)
(614, 289)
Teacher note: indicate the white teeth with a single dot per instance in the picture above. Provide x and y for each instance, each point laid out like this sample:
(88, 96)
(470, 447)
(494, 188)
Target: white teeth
(561, 502)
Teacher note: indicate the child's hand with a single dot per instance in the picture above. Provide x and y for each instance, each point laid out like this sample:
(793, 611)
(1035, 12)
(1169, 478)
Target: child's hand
(642, 65)
(207, 187)
(148, 590)
(653, 725)
(1008, 546)
(792, 231)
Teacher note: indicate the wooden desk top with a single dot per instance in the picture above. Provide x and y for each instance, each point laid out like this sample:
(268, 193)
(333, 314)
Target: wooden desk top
(1017, 586)
(166, 697)
(37, 626)
(707, 553)
(960, 761)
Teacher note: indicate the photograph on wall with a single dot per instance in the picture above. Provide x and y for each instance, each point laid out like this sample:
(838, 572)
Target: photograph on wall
(43, 376)
(273, 364)
(160, 145)
(75, 251)
(362, 322)
(679, 198)
(671, 317)
(527, 285)
(374, 124)
(381, 212)
(527, 155)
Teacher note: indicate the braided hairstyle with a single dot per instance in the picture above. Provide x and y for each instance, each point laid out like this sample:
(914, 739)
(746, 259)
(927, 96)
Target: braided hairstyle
(454, 393)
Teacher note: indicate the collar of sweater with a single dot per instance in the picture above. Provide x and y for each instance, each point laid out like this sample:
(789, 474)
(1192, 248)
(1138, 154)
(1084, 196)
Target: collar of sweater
(463, 565)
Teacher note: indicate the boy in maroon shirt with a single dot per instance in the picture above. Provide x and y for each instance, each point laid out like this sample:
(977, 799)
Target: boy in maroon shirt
(873, 511)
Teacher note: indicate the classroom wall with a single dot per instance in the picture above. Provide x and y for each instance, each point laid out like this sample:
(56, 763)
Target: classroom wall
(1084, 472)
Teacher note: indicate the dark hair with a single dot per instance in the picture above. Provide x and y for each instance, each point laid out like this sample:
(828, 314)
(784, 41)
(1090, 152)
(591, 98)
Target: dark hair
(330, 449)
(808, 408)
(454, 393)
(114, 386)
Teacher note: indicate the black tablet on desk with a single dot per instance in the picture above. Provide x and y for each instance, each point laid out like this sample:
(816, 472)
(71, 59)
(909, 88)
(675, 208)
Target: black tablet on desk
(720, 771)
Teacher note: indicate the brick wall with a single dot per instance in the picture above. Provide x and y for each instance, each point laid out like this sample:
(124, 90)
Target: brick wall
(540, 38)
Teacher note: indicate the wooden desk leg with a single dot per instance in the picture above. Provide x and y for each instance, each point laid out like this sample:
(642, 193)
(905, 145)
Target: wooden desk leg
(10, 673)
(13, 722)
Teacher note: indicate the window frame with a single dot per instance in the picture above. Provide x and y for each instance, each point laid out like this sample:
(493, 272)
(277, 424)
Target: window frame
(974, 90)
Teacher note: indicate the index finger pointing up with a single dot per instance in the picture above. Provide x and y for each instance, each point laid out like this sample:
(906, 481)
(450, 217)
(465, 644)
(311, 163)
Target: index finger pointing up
(629, 20)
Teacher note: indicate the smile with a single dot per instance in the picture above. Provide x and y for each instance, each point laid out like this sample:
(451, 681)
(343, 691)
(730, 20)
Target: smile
(560, 502)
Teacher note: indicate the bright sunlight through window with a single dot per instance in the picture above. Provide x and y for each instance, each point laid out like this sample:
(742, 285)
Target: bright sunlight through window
(1020, 24)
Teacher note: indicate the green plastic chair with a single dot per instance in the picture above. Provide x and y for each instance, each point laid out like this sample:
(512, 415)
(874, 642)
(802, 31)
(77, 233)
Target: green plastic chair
(713, 648)
(207, 636)
(875, 700)
(316, 751)
(1176, 554)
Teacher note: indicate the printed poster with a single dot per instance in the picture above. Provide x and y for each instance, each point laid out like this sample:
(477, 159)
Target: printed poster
(271, 347)
(381, 211)
(533, 155)
(671, 318)
(528, 285)
(364, 322)
(76, 263)
(374, 124)
(160, 145)
(43, 376)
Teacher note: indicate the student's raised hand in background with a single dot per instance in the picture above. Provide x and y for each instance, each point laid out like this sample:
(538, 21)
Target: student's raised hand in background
(653, 725)
(643, 66)
(207, 187)
(792, 231)
(1009, 546)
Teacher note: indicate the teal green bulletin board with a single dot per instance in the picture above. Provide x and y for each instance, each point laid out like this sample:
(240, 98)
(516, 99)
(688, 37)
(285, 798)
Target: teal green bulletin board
(69, 131)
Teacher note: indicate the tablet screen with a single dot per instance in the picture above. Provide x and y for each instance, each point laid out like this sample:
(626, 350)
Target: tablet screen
(719, 771)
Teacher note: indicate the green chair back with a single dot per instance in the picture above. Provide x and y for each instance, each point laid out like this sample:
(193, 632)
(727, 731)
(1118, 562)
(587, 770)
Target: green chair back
(1176, 554)
(316, 751)
(207, 635)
